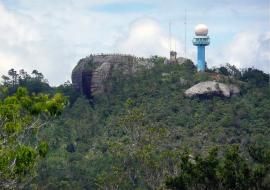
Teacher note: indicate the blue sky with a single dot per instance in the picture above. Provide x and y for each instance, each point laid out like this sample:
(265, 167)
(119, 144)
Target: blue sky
(53, 35)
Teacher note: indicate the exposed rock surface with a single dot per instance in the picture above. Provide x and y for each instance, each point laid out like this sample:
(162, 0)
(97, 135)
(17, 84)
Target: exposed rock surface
(91, 72)
(212, 88)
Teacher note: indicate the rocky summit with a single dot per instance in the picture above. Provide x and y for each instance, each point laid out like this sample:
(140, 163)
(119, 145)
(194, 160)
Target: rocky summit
(90, 73)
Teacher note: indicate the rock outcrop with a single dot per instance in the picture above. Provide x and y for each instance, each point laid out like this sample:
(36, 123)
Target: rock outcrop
(212, 88)
(90, 73)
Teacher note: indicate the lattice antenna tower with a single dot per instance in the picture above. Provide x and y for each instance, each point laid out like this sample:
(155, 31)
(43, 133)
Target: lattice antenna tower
(185, 33)
(170, 35)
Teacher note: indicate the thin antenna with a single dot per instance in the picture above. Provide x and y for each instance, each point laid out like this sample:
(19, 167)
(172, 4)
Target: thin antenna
(170, 36)
(185, 33)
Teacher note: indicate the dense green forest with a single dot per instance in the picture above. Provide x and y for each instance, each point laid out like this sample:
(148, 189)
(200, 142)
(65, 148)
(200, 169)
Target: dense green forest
(143, 133)
(23, 114)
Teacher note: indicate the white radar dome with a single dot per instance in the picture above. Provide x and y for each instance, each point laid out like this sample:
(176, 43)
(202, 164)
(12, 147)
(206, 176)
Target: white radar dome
(201, 30)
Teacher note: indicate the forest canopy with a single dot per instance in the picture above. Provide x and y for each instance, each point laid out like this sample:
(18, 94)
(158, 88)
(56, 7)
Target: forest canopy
(142, 132)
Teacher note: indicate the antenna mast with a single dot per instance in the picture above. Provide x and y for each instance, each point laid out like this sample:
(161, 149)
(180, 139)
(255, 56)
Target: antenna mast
(185, 33)
(170, 36)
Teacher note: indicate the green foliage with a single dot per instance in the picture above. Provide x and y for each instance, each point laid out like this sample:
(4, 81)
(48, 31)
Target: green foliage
(25, 159)
(21, 117)
(135, 135)
(234, 172)
(224, 71)
(255, 77)
(35, 83)
(230, 171)
(157, 59)
(43, 148)
(68, 91)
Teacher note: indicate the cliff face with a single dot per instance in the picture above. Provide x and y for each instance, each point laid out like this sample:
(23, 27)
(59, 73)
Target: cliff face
(90, 73)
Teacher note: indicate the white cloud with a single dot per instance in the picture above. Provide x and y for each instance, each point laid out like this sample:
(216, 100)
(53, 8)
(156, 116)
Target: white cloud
(52, 36)
(13, 31)
(250, 49)
(49, 40)
(17, 33)
(146, 37)
(7, 62)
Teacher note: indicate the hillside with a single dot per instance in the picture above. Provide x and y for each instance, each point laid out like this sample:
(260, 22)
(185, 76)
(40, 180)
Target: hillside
(141, 130)
(131, 135)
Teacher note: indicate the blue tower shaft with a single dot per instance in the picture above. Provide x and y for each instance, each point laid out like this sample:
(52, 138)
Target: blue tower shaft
(201, 42)
(201, 58)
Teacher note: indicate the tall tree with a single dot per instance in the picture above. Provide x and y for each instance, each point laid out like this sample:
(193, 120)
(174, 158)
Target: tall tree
(6, 80)
(14, 76)
(39, 76)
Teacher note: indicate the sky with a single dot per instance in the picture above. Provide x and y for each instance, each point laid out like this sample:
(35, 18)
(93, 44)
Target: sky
(53, 35)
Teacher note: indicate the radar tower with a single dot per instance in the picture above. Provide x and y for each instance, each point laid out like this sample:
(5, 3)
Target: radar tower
(201, 40)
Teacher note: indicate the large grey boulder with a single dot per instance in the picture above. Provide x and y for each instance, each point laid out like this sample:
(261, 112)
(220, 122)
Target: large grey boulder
(89, 74)
(212, 88)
